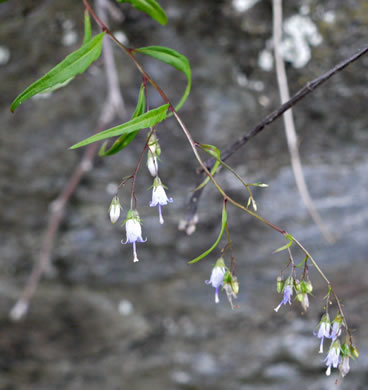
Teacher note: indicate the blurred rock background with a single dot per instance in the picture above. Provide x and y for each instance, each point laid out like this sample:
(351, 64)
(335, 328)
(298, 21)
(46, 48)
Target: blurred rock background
(100, 321)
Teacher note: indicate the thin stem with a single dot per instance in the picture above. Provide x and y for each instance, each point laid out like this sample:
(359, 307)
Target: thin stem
(296, 98)
(284, 107)
(316, 266)
(133, 199)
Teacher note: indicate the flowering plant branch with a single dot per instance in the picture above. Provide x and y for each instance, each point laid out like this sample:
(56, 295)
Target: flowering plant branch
(221, 276)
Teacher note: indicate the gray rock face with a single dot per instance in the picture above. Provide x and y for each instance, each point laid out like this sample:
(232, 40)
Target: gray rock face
(100, 321)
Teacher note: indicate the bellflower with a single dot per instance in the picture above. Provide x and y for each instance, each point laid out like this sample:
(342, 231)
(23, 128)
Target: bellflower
(159, 197)
(344, 366)
(133, 231)
(114, 209)
(288, 292)
(217, 277)
(333, 356)
(336, 327)
(324, 330)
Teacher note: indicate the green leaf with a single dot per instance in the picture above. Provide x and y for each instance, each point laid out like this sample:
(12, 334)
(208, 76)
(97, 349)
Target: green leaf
(123, 141)
(75, 63)
(148, 119)
(211, 150)
(174, 59)
(87, 27)
(214, 152)
(302, 262)
(150, 7)
(208, 251)
(288, 245)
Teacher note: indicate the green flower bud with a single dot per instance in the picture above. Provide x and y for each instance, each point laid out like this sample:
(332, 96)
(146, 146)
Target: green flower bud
(354, 351)
(308, 287)
(298, 286)
(279, 284)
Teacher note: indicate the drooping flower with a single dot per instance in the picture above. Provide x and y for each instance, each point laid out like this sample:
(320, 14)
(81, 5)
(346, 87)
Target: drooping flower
(288, 292)
(333, 356)
(159, 197)
(346, 353)
(133, 231)
(344, 366)
(336, 327)
(324, 330)
(302, 294)
(114, 209)
(217, 277)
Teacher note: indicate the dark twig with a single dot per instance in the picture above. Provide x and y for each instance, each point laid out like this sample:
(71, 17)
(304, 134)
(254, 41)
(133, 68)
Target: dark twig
(231, 149)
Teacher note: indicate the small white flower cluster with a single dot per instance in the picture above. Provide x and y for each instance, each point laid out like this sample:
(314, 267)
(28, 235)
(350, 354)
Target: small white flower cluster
(221, 276)
(338, 355)
(302, 290)
(159, 198)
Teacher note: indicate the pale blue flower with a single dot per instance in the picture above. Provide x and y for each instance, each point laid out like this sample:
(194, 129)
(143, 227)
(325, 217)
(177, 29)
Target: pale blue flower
(217, 277)
(324, 330)
(288, 292)
(333, 356)
(159, 197)
(133, 231)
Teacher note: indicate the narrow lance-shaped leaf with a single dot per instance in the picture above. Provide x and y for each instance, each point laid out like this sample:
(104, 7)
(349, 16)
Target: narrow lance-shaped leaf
(214, 152)
(288, 245)
(174, 59)
(87, 27)
(150, 7)
(86, 38)
(75, 63)
(123, 141)
(148, 119)
(208, 251)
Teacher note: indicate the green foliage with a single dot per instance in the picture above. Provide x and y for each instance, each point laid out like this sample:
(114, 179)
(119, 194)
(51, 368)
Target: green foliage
(174, 59)
(124, 140)
(150, 7)
(144, 121)
(75, 63)
(87, 27)
(208, 251)
(288, 245)
(215, 153)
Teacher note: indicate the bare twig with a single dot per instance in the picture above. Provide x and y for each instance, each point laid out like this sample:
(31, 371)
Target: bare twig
(113, 107)
(290, 125)
(192, 209)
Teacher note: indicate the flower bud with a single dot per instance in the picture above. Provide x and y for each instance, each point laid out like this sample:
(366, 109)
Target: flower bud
(235, 285)
(354, 351)
(308, 287)
(154, 146)
(298, 286)
(279, 284)
(152, 164)
(114, 209)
